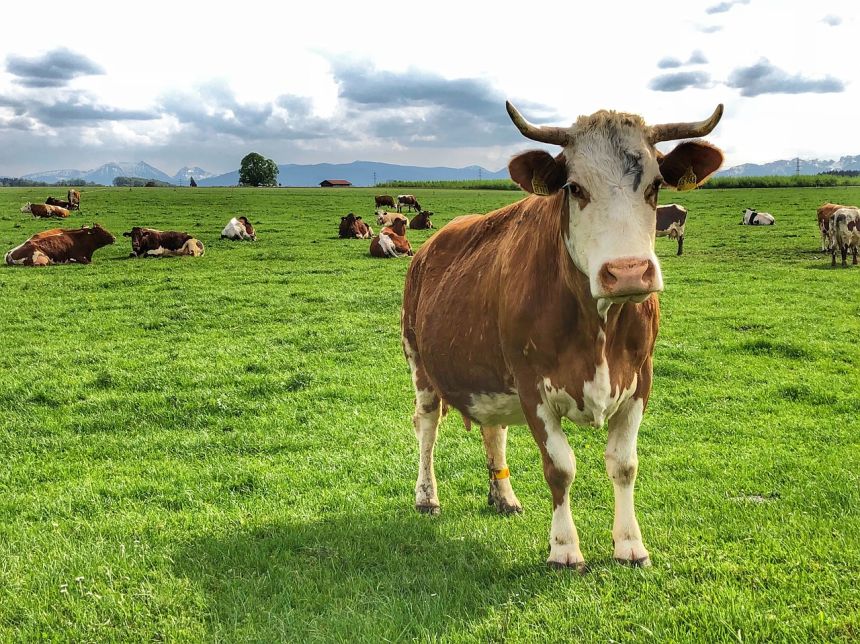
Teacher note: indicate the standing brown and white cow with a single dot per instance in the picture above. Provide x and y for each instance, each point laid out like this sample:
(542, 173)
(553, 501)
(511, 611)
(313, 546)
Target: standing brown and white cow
(672, 222)
(825, 212)
(547, 309)
(844, 234)
(409, 201)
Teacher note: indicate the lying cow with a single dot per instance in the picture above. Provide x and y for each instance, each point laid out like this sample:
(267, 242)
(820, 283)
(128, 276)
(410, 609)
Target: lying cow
(671, 222)
(384, 200)
(421, 221)
(384, 218)
(149, 242)
(755, 218)
(60, 246)
(52, 201)
(844, 234)
(391, 241)
(409, 201)
(238, 229)
(825, 212)
(352, 227)
(556, 311)
(45, 210)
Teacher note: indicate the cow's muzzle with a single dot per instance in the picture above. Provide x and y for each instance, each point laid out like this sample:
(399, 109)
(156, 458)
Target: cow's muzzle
(628, 276)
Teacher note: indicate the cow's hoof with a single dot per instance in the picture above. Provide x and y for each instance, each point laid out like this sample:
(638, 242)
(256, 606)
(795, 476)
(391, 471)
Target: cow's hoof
(632, 553)
(642, 562)
(432, 509)
(567, 556)
(504, 505)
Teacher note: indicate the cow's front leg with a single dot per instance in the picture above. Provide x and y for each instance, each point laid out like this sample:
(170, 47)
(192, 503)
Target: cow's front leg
(559, 470)
(501, 494)
(622, 464)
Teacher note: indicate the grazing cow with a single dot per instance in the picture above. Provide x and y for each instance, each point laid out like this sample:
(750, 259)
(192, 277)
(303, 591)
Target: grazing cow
(238, 229)
(60, 246)
(825, 212)
(45, 210)
(671, 222)
(384, 200)
(352, 227)
(51, 201)
(844, 234)
(391, 241)
(74, 199)
(384, 218)
(755, 218)
(547, 309)
(409, 201)
(149, 242)
(421, 221)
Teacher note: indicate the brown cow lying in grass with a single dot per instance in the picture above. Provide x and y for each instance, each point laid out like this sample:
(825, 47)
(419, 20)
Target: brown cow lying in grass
(45, 210)
(352, 227)
(149, 242)
(421, 221)
(391, 241)
(60, 246)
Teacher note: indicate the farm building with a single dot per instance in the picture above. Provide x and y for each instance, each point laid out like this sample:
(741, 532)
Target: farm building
(335, 183)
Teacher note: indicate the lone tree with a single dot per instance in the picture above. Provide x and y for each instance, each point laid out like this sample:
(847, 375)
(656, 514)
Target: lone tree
(257, 171)
(192, 183)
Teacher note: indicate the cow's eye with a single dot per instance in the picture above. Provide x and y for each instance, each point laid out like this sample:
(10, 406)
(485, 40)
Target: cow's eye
(575, 189)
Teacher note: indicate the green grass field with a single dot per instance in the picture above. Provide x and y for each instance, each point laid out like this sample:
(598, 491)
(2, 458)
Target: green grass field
(221, 449)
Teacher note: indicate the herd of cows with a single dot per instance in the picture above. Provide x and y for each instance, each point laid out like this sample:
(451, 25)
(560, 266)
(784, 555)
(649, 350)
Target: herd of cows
(513, 328)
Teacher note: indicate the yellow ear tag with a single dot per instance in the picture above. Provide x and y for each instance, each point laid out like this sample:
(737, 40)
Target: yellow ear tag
(687, 180)
(539, 187)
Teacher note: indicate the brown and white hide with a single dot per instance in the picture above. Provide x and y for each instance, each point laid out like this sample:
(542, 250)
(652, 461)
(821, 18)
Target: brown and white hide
(74, 199)
(755, 218)
(384, 218)
(239, 229)
(45, 210)
(844, 234)
(352, 227)
(391, 241)
(408, 201)
(547, 309)
(60, 246)
(672, 222)
(824, 213)
(150, 242)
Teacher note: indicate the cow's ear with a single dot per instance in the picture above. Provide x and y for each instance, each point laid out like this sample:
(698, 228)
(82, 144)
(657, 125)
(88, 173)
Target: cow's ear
(537, 172)
(689, 164)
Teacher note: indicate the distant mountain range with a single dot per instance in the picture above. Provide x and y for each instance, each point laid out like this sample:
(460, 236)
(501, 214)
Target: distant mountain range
(368, 173)
(787, 167)
(106, 173)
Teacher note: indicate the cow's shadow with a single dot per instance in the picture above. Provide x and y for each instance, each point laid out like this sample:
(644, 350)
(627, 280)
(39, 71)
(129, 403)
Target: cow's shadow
(355, 577)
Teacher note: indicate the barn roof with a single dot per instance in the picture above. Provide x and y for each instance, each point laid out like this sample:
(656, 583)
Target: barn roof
(337, 182)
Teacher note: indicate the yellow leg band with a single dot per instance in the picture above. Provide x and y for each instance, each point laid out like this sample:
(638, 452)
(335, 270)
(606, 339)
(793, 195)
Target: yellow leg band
(498, 475)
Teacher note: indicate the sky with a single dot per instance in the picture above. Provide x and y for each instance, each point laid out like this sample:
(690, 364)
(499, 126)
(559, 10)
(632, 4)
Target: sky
(202, 84)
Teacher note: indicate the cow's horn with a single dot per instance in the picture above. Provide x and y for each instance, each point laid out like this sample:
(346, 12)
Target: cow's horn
(542, 133)
(674, 131)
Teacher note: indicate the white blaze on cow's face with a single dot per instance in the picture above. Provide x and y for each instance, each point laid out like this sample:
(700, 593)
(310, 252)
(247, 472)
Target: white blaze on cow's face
(613, 179)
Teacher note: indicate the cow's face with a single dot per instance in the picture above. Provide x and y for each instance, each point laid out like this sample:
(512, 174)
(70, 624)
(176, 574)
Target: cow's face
(611, 173)
(101, 235)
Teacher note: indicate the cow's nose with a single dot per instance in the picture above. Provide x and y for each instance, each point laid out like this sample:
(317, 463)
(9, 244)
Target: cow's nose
(628, 276)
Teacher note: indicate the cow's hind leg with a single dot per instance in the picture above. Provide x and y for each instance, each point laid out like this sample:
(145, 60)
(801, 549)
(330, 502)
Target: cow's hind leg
(501, 494)
(428, 412)
(621, 465)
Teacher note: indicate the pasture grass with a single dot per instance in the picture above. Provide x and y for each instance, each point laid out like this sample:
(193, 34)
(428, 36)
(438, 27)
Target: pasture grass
(220, 449)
